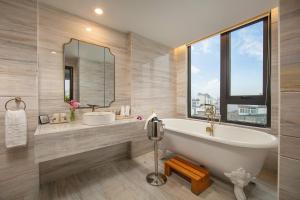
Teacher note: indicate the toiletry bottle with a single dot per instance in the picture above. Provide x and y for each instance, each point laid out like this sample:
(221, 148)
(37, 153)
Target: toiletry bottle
(122, 113)
(127, 110)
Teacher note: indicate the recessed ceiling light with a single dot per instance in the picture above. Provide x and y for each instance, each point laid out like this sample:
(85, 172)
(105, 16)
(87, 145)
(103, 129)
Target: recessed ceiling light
(88, 29)
(53, 52)
(98, 11)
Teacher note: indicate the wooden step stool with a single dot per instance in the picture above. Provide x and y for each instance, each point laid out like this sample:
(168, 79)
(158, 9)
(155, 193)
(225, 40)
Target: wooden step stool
(198, 176)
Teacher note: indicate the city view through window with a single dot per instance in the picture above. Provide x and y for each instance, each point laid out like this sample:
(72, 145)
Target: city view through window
(205, 75)
(246, 74)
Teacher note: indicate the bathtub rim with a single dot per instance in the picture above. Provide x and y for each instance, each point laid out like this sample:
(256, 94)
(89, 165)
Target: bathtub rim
(273, 144)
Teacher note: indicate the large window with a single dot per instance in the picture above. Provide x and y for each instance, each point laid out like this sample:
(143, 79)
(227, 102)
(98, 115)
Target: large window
(230, 70)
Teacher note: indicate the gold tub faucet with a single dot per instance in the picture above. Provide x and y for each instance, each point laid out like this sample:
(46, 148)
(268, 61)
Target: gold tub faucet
(210, 113)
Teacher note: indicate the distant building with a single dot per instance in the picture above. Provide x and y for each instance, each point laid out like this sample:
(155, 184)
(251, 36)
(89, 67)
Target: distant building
(197, 109)
(248, 113)
(252, 110)
(256, 114)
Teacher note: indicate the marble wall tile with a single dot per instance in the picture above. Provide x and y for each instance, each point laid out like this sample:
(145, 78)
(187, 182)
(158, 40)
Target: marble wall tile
(290, 114)
(290, 147)
(290, 95)
(289, 179)
(57, 28)
(180, 59)
(66, 166)
(17, 30)
(153, 78)
(289, 45)
(141, 147)
(274, 73)
(18, 75)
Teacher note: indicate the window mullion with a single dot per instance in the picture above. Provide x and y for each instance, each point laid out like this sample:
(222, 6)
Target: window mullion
(224, 76)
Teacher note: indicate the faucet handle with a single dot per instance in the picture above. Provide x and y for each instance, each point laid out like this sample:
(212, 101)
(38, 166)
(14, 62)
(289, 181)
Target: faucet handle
(93, 106)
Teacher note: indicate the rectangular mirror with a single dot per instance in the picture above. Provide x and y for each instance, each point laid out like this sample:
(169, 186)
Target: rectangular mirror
(89, 72)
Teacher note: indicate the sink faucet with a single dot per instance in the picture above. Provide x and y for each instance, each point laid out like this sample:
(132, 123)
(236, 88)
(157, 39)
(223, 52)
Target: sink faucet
(210, 113)
(93, 107)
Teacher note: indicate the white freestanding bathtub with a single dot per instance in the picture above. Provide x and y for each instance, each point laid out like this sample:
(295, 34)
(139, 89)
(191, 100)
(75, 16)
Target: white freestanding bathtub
(238, 152)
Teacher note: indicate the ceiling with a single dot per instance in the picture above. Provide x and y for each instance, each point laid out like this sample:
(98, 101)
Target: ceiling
(170, 22)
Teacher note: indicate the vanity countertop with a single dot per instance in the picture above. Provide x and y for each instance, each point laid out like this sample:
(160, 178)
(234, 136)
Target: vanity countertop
(43, 129)
(54, 141)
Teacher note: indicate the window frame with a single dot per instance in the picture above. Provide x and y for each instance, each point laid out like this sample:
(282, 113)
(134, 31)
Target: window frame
(225, 97)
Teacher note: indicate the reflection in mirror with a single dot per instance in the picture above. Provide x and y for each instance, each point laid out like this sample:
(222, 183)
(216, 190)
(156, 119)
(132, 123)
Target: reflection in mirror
(68, 83)
(110, 80)
(89, 74)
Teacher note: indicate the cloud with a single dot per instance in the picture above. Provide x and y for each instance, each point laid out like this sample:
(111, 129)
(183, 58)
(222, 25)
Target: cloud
(249, 42)
(204, 46)
(194, 69)
(211, 87)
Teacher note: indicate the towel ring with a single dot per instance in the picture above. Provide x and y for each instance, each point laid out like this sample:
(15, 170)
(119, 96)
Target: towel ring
(17, 100)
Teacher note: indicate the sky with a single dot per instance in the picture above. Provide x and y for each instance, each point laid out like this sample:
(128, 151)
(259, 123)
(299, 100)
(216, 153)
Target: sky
(246, 63)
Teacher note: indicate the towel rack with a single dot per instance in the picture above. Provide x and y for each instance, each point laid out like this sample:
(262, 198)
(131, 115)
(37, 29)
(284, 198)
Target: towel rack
(17, 100)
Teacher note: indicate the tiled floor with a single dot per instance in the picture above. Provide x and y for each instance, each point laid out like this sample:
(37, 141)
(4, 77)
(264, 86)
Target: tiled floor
(126, 180)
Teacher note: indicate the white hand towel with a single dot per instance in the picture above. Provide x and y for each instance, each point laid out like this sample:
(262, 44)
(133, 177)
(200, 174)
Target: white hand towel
(15, 128)
(149, 118)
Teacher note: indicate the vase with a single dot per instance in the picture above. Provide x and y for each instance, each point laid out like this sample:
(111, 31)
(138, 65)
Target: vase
(72, 115)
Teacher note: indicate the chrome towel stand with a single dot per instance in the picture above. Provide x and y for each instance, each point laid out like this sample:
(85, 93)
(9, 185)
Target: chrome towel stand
(17, 100)
(155, 128)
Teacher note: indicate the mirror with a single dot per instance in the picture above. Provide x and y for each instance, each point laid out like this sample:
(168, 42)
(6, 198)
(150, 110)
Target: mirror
(89, 72)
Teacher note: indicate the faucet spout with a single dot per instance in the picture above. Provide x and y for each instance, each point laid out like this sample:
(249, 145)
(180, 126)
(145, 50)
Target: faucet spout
(210, 113)
(93, 107)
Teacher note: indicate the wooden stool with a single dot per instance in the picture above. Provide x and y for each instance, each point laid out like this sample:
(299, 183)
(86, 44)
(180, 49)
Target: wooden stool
(199, 177)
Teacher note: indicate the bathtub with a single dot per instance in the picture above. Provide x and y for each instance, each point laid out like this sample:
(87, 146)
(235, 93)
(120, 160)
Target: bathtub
(233, 150)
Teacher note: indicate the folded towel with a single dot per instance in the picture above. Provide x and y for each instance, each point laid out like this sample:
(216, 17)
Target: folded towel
(15, 128)
(149, 118)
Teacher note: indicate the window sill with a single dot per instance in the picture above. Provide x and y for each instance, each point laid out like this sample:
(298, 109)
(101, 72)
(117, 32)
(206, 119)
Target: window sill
(265, 129)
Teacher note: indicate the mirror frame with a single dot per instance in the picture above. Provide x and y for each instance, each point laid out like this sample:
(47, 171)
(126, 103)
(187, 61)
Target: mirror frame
(114, 99)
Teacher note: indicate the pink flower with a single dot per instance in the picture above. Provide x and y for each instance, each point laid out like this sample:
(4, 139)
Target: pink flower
(74, 104)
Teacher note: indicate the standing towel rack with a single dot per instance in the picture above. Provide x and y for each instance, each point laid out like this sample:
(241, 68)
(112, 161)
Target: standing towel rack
(17, 100)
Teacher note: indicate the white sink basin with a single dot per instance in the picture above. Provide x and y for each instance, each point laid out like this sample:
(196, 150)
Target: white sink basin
(98, 118)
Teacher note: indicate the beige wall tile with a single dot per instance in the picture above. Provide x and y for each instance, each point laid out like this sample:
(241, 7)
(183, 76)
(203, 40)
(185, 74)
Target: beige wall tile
(153, 78)
(274, 73)
(57, 28)
(289, 178)
(63, 167)
(290, 147)
(290, 114)
(18, 75)
(290, 45)
(180, 54)
(290, 95)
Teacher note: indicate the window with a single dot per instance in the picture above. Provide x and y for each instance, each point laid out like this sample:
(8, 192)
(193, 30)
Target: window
(230, 71)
